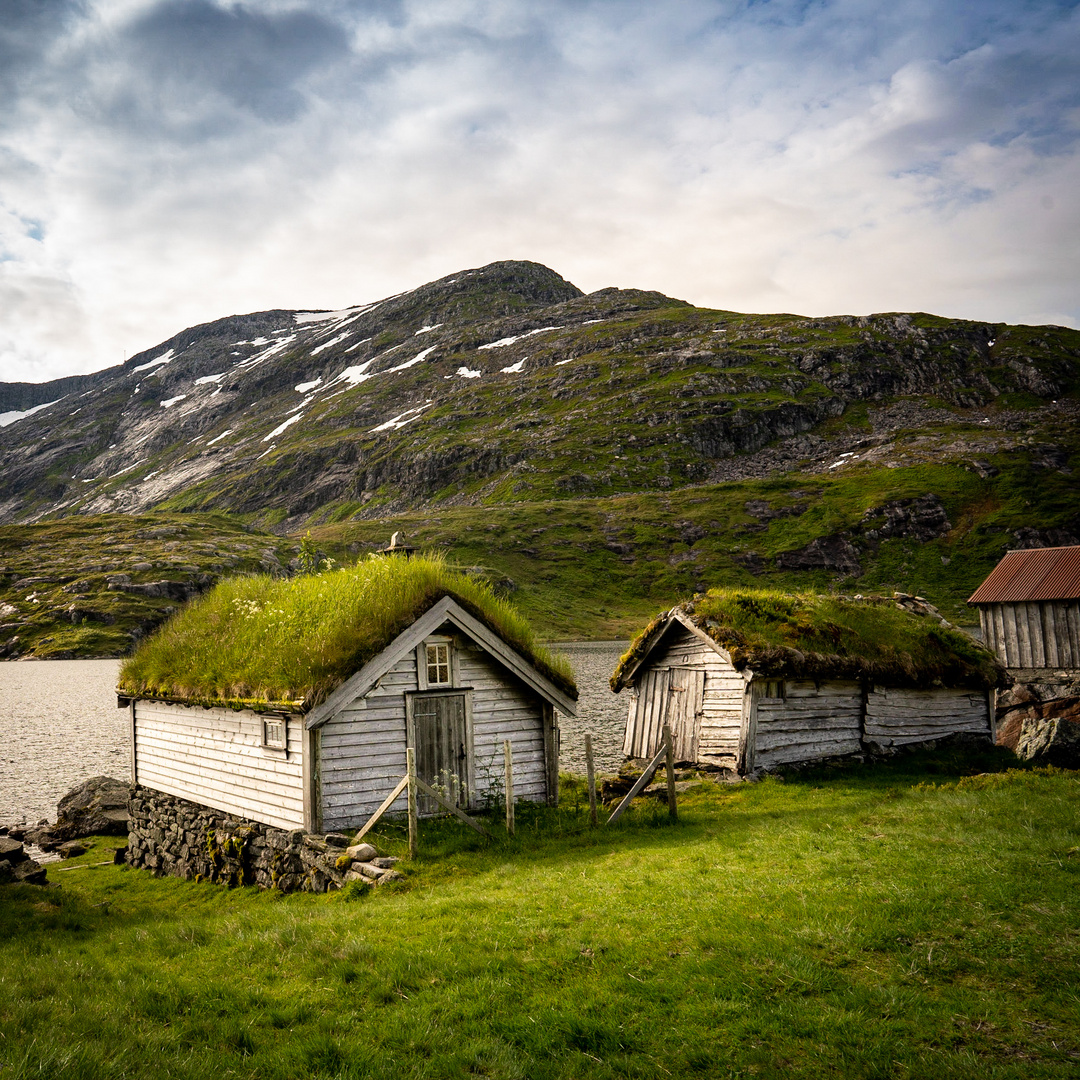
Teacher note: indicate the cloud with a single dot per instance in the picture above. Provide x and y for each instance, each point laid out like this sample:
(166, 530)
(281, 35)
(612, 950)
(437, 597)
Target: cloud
(167, 163)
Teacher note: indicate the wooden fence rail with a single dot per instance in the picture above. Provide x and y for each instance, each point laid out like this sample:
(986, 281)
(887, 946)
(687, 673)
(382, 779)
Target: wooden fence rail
(665, 755)
(416, 787)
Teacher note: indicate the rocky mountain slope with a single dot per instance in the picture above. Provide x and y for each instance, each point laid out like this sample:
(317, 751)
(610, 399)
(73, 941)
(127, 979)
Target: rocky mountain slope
(597, 456)
(507, 384)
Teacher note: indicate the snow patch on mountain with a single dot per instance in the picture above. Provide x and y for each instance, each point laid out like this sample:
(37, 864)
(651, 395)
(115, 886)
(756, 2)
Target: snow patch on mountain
(14, 416)
(503, 342)
(417, 359)
(168, 403)
(304, 387)
(281, 427)
(164, 358)
(328, 344)
(399, 421)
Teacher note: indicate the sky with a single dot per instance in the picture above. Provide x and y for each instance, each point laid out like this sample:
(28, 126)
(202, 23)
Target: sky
(168, 163)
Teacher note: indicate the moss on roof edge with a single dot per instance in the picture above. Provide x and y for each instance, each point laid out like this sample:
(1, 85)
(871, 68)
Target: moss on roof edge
(786, 662)
(310, 701)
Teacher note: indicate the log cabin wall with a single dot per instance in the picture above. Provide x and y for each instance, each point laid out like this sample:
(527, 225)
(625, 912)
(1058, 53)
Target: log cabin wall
(705, 712)
(215, 757)
(899, 717)
(1033, 634)
(800, 721)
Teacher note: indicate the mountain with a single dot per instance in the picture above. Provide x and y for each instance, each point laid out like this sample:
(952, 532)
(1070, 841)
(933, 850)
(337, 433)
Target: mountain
(505, 384)
(598, 454)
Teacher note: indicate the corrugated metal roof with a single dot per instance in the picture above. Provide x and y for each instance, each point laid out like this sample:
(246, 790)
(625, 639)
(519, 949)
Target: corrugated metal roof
(1038, 574)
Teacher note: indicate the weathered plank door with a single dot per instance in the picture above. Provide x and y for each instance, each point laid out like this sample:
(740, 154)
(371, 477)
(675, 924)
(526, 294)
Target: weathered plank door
(441, 741)
(672, 696)
(686, 692)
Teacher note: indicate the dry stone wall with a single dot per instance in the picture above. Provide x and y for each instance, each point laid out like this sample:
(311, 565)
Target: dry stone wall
(168, 835)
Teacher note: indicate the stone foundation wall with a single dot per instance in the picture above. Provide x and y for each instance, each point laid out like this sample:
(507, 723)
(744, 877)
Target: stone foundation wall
(167, 835)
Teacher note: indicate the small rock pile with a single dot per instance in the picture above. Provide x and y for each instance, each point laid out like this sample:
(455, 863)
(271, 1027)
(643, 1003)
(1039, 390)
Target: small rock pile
(168, 835)
(1040, 722)
(16, 866)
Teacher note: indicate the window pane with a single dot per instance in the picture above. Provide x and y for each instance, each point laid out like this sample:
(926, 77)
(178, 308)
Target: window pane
(438, 664)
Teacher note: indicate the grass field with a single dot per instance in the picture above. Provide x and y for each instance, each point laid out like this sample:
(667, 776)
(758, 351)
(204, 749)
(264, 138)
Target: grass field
(905, 920)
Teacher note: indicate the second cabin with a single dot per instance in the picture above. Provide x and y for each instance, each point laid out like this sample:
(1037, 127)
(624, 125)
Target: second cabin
(749, 680)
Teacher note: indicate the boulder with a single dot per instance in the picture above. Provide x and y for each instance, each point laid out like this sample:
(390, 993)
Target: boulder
(361, 852)
(97, 807)
(72, 849)
(11, 851)
(28, 872)
(1053, 741)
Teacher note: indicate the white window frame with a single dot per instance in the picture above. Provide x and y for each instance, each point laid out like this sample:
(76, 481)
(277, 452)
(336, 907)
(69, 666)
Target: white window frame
(272, 746)
(422, 663)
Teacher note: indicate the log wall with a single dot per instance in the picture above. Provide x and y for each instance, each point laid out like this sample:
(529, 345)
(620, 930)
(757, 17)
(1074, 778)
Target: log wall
(214, 757)
(804, 721)
(1035, 634)
(900, 717)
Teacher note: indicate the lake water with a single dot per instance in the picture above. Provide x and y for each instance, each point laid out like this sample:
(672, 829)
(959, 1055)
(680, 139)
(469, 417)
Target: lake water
(59, 725)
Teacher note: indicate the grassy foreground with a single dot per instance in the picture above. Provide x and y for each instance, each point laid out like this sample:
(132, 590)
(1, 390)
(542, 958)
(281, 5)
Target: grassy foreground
(899, 921)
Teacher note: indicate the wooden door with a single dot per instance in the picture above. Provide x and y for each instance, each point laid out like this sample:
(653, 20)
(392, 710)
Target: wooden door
(440, 738)
(686, 693)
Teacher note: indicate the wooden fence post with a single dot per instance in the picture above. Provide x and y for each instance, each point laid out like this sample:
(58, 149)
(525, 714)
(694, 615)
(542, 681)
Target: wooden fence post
(508, 789)
(592, 779)
(410, 758)
(669, 765)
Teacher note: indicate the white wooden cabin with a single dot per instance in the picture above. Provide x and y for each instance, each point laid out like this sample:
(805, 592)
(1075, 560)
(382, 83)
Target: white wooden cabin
(740, 720)
(448, 686)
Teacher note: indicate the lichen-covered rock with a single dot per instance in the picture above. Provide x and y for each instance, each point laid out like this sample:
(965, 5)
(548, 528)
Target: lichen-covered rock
(172, 836)
(1054, 741)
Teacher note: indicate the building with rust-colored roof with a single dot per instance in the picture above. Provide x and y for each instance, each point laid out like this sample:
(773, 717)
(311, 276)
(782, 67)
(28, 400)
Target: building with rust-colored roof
(1029, 608)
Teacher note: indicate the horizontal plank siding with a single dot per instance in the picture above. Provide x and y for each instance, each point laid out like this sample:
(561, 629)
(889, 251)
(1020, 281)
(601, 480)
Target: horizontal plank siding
(503, 707)
(361, 758)
(215, 757)
(809, 722)
(899, 717)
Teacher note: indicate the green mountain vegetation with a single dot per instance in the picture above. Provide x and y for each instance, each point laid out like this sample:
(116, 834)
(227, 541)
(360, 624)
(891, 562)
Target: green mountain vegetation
(595, 457)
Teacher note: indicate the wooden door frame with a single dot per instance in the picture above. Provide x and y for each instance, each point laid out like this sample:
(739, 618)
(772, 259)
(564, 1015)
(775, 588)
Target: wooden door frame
(470, 751)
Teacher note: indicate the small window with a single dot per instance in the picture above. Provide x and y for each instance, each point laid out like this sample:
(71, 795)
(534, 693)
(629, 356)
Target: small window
(438, 665)
(774, 689)
(274, 733)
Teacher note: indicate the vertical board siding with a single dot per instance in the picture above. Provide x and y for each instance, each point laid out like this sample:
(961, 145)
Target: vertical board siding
(215, 757)
(684, 660)
(362, 750)
(1035, 634)
(503, 708)
(897, 717)
(811, 721)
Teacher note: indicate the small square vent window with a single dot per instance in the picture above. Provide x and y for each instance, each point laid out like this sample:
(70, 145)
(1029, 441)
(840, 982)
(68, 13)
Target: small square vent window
(438, 665)
(273, 733)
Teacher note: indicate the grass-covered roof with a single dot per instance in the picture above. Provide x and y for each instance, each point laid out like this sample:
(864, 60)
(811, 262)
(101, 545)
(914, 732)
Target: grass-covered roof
(262, 641)
(813, 636)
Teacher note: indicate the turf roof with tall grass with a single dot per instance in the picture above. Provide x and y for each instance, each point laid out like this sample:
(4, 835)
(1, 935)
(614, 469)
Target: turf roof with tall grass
(271, 642)
(817, 636)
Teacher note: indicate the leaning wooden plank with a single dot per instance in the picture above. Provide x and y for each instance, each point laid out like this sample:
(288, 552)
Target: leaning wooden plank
(432, 793)
(386, 804)
(639, 786)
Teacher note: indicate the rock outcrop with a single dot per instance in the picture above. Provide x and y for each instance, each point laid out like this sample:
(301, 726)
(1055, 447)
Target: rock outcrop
(1040, 722)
